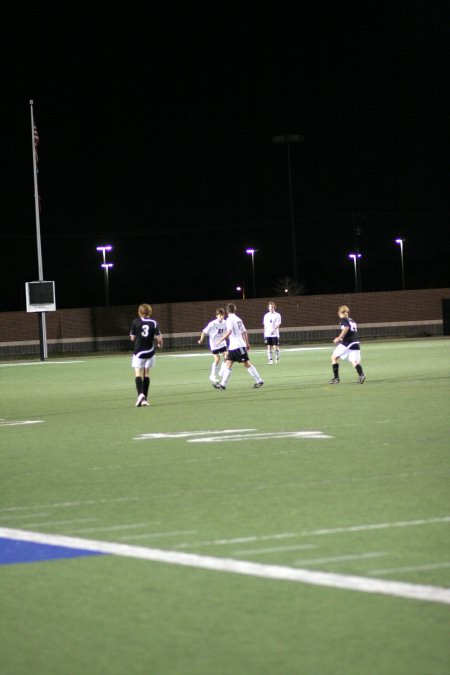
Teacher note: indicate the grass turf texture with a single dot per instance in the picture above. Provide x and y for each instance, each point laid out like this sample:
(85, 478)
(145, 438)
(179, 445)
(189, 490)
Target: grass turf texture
(82, 473)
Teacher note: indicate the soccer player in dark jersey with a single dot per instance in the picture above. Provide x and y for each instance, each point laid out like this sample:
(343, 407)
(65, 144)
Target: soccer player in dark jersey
(144, 333)
(347, 346)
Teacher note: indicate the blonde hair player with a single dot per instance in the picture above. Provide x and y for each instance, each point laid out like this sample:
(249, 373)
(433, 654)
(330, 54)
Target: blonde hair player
(144, 333)
(347, 346)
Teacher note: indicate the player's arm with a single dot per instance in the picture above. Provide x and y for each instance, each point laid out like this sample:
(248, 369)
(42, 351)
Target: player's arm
(341, 335)
(245, 338)
(201, 338)
(159, 341)
(224, 338)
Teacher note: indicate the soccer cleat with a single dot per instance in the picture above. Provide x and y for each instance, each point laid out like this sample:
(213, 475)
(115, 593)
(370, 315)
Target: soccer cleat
(269, 363)
(334, 380)
(212, 379)
(145, 402)
(278, 359)
(140, 400)
(259, 384)
(217, 385)
(360, 379)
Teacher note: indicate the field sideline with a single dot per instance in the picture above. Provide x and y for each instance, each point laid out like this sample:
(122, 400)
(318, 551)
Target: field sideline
(301, 528)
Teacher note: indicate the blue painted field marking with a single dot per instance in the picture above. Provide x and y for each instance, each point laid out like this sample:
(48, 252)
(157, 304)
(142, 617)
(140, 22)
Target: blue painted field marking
(349, 582)
(13, 551)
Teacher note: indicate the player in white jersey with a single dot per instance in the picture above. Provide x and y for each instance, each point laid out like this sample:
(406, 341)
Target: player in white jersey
(215, 330)
(272, 323)
(237, 349)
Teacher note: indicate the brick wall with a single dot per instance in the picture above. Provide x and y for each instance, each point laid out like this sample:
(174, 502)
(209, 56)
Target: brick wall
(88, 325)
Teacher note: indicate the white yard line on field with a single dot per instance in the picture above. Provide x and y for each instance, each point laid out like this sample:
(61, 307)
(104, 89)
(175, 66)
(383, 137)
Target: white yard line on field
(339, 558)
(411, 568)
(191, 355)
(274, 549)
(316, 533)
(25, 515)
(37, 363)
(58, 505)
(49, 523)
(157, 535)
(18, 423)
(112, 528)
(228, 565)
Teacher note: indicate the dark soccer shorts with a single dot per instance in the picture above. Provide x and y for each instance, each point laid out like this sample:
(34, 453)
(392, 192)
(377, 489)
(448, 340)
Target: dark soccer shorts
(272, 341)
(238, 355)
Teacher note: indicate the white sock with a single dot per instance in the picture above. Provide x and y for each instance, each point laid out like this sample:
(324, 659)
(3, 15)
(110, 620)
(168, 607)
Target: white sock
(225, 375)
(213, 370)
(269, 355)
(254, 373)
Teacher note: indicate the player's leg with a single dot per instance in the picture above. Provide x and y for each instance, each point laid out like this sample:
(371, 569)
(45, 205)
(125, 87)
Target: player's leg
(335, 367)
(226, 374)
(222, 367)
(277, 350)
(214, 366)
(146, 385)
(269, 351)
(355, 360)
(139, 381)
(251, 370)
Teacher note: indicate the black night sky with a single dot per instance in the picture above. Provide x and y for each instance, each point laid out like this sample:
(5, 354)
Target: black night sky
(156, 123)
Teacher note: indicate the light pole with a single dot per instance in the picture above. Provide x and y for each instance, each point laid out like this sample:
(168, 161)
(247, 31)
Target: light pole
(241, 289)
(106, 267)
(400, 242)
(252, 251)
(355, 257)
(287, 140)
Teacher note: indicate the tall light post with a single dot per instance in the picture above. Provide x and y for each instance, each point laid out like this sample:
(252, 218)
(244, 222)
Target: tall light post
(400, 242)
(241, 289)
(106, 267)
(252, 251)
(287, 140)
(355, 257)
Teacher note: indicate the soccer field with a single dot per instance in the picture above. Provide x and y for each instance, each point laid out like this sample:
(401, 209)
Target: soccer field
(301, 528)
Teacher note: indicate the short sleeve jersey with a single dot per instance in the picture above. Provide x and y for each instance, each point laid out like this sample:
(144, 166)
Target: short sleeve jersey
(351, 336)
(272, 323)
(144, 330)
(215, 330)
(236, 328)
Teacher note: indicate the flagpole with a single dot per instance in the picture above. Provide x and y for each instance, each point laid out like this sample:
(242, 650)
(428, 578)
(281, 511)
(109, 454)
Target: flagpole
(41, 315)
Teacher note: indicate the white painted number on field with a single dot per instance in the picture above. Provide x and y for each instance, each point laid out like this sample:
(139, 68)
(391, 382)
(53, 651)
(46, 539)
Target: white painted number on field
(227, 435)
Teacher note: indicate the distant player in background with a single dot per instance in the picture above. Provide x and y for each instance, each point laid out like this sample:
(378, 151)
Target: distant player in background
(272, 323)
(237, 349)
(215, 330)
(144, 333)
(347, 346)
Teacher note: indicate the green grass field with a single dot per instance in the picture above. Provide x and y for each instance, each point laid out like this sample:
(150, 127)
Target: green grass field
(364, 499)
